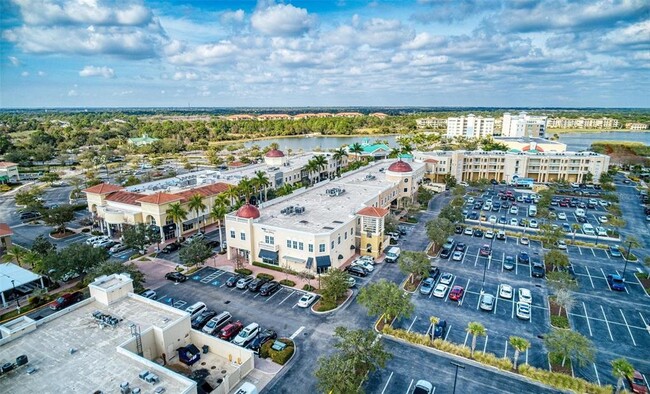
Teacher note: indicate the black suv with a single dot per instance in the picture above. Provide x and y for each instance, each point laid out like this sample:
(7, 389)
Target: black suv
(434, 272)
(257, 284)
(269, 288)
(357, 270)
(262, 338)
(202, 319)
(171, 247)
(175, 276)
(537, 270)
(232, 281)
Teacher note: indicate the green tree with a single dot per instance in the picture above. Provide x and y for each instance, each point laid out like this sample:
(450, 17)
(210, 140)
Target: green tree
(520, 345)
(458, 191)
(140, 236)
(363, 348)
(357, 149)
(438, 230)
(338, 155)
(58, 217)
(195, 203)
(177, 214)
(569, 344)
(50, 177)
(606, 177)
(450, 181)
(195, 253)
(475, 329)
(218, 213)
(424, 195)
(452, 213)
(15, 254)
(549, 235)
(387, 299)
(261, 183)
(334, 285)
(588, 177)
(42, 246)
(390, 223)
(621, 368)
(414, 263)
(30, 198)
(557, 259)
(78, 258)
(564, 298)
(116, 267)
(335, 374)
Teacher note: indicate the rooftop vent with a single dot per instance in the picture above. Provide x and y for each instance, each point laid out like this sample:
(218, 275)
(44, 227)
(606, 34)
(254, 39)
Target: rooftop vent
(369, 177)
(328, 228)
(335, 191)
(337, 221)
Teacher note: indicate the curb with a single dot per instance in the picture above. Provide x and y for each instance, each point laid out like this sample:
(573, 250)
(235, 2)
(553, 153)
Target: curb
(335, 309)
(404, 282)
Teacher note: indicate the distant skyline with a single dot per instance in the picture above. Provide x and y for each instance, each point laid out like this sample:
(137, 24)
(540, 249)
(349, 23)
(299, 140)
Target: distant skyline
(516, 53)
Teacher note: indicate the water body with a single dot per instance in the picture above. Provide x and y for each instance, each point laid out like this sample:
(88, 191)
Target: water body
(574, 141)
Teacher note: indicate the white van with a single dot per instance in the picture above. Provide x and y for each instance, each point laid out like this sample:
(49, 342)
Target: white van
(247, 334)
(588, 229)
(580, 212)
(195, 309)
(217, 323)
(532, 211)
(392, 254)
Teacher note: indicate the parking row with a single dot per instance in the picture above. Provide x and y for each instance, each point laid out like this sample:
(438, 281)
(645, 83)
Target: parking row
(596, 278)
(611, 324)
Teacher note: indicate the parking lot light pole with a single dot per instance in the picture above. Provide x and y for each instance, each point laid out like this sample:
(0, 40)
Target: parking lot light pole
(456, 373)
(629, 247)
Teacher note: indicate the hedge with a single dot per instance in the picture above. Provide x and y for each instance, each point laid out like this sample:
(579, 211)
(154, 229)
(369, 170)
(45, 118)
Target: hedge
(308, 288)
(262, 275)
(280, 357)
(279, 269)
(559, 321)
(563, 381)
(243, 271)
(287, 282)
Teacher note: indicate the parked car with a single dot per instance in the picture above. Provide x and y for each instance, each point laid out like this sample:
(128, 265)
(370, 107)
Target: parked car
(232, 281)
(356, 271)
(468, 231)
(244, 282)
(525, 295)
(485, 251)
(217, 322)
(456, 293)
(487, 302)
(246, 335)
(523, 310)
(446, 278)
(440, 291)
(461, 246)
(202, 319)
(509, 263)
(561, 216)
(351, 282)
(614, 251)
(501, 235)
(150, 294)
(231, 330)
(256, 284)
(459, 229)
(637, 383)
(439, 329)
(263, 337)
(423, 387)
(365, 264)
(193, 238)
(478, 232)
(561, 244)
(505, 291)
(427, 286)
(523, 258)
(106, 243)
(514, 222)
(66, 300)
(489, 234)
(120, 247)
(269, 288)
(213, 243)
(457, 256)
(306, 300)
(174, 246)
(537, 270)
(175, 277)
(434, 272)
(616, 282)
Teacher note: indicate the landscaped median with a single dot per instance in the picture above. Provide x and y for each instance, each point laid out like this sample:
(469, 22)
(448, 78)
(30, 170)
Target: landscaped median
(554, 379)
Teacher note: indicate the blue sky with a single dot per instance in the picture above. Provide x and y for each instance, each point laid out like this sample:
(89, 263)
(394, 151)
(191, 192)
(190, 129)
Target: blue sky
(95, 53)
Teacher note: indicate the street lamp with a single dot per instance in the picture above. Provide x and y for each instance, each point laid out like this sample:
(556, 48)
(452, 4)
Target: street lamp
(456, 373)
(629, 246)
(13, 284)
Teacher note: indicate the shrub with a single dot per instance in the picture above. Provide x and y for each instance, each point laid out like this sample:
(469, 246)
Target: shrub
(559, 321)
(287, 282)
(308, 288)
(243, 271)
(325, 305)
(562, 381)
(274, 267)
(85, 230)
(262, 275)
(280, 357)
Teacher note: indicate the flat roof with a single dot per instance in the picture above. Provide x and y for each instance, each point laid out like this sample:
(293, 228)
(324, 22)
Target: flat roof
(19, 275)
(537, 140)
(322, 212)
(95, 364)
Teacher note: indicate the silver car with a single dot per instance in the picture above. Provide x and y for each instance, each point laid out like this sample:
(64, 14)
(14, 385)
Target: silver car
(487, 302)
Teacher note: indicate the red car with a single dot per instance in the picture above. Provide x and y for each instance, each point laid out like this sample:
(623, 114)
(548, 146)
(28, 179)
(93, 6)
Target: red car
(485, 250)
(231, 330)
(456, 293)
(637, 383)
(66, 300)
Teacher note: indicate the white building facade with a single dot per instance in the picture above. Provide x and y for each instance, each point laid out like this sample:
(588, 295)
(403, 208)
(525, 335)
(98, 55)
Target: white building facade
(470, 126)
(523, 125)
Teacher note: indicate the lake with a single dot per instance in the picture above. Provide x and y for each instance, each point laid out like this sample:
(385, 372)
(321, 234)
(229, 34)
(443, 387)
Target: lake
(574, 141)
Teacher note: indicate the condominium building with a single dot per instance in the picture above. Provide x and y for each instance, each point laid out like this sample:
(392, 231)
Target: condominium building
(324, 226)
(431, 123)
(636, 126)
(470, 126)
(114, 206)
(530, 162)
(523, 125)
(583, 123)
(117, 342)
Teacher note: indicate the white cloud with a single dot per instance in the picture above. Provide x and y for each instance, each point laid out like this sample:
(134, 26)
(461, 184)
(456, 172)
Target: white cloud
(41, 73)
(24, 74)
(189, 75)
(282, 20)
(232, 17)
(206, 54)
(14, 61)
(49, 12)
(92, 71)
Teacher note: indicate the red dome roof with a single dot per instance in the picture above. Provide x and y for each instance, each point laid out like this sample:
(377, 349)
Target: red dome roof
(400, 166)
(274, 153)
(248, 211)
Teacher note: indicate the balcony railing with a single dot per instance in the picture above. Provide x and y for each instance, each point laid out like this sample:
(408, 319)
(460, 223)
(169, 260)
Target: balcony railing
(271, 247)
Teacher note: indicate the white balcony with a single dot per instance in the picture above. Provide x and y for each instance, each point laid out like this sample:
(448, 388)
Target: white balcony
(271, 247)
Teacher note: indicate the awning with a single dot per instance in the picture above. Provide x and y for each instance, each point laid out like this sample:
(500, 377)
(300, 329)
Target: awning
(310, 262)
(323, 261)
(294, 259)
(269, 255)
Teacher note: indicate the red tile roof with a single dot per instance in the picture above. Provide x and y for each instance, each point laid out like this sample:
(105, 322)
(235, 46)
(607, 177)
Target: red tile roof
(5, 230)
(125, 197)
(237, 164)
(205, 191)
(103, 188)
(5, 164)
(160, 198)
(373, 211)
(431, 161)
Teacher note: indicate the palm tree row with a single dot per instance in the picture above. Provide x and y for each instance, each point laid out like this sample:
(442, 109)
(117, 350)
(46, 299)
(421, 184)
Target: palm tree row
(316, 165)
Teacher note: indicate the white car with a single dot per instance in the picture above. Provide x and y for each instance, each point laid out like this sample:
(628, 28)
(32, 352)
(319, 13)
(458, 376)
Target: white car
(601, 232)
(561, 216)
(457, 256)
(103, 244)
(602, 219)
(524, 241)
(306, 300)
(489, 234)
(463, 183)
(493, 219)
(514, 210)
(99, 238)
(365, 264)
(118, 248)
(468, 231)
(561, 245)
(525, 295)
(246, 335)
(446, 278)
(533, 223)
(440, 291)
(423, 386)
(505, 291)
(514, 222)
(523, 310)
(369, 259)
(470, 200)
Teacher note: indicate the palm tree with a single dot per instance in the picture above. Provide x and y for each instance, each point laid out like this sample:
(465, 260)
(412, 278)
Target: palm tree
(321, 164)
(177, 214)
(196, 204)
(232, 193)
(261, 182)
(575, 227)
(219, 210)
(245, 188)
(310, 168)
(284, 190)
(521, 345)
(15, 253)
(475, 329)
(339, 154)
(357, 149)
(621, 368)
(433, 320)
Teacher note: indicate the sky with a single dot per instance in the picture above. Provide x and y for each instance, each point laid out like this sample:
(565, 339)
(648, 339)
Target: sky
(225, 53)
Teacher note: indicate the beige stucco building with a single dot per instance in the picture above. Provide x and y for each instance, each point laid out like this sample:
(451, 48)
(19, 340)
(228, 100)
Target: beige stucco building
(9, 172)
(325, 225)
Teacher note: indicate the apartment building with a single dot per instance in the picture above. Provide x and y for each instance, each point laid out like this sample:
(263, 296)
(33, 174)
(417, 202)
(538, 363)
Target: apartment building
(431, 123)
(523, 125)
(114, 206)
(583, 123)
(636, 126)
(470, 126)
(507, 166)
(117, 342)
(324, 226)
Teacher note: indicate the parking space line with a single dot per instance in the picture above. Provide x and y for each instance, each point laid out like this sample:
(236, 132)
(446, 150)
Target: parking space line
(597, 377)
(476, 260)
(512, 315)
(429, 329)
(496, 301)
(505, 350)
(273, 295)
(449, 290)
(447, 334)
(589, 275)
(588, 324)
(412, 323)
(285, 298)
(647, 327)
(388, 381)
(605, 277)
(579, 250)
(485, 345)
(628, 327)
(607, 323)
(592, 252)
(409, 389)
(465, 341)
(527, 356)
